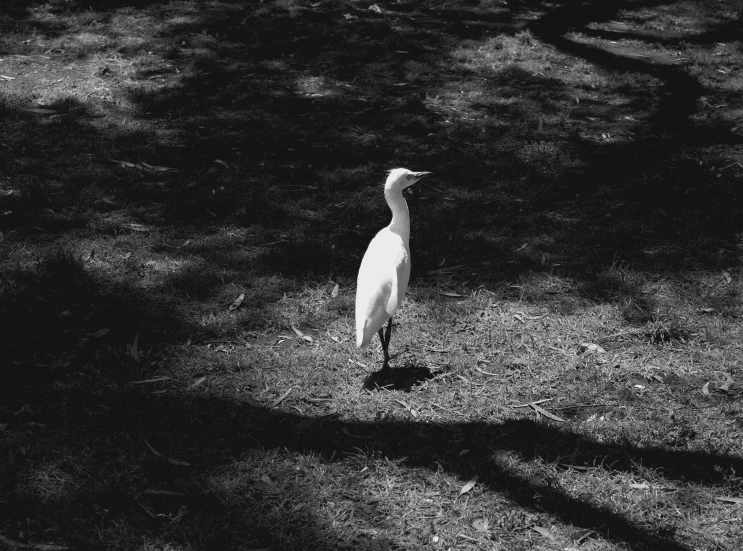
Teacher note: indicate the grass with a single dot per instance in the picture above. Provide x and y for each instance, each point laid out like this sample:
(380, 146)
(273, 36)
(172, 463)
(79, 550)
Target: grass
(572, 334)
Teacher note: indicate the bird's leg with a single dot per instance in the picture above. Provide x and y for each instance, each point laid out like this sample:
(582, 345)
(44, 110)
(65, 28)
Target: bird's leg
(387, 335)
(384, 338)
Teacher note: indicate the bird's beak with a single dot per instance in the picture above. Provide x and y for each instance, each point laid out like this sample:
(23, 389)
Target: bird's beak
(420, 175)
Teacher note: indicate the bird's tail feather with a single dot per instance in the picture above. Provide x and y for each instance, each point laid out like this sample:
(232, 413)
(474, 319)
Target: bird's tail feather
(360, 340)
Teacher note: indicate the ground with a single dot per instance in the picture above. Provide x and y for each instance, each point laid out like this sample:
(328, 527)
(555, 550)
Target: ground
(186, 191)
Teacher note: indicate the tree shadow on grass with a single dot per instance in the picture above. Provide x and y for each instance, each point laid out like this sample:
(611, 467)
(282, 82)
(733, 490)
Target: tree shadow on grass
(292, 110)
(222, 443)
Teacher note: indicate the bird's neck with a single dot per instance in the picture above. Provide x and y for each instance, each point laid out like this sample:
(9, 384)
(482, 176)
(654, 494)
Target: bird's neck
(400, 215)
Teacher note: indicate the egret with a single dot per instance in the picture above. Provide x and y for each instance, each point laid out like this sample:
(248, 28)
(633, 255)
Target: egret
(385, 269)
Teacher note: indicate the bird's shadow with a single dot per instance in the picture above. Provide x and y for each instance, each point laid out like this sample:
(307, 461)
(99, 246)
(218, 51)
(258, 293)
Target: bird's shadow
(398, 378)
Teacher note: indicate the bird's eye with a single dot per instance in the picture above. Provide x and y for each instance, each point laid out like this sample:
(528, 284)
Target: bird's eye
(408, 176)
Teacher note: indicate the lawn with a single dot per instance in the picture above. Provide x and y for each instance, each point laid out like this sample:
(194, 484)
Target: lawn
(187, 189)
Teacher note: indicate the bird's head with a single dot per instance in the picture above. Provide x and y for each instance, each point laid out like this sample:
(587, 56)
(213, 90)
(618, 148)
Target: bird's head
(401, 178)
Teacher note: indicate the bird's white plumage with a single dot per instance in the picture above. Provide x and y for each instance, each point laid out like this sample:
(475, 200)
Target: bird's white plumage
(385, 269)
(381, 284)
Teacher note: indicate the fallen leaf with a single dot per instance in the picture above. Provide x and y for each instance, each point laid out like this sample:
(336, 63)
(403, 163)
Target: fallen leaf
(335, 291)
(98, 334)
(138, 227)
(6, 192)
(580, 540)
(152, 448)
(349, 16)
(546, 413)
(158, 168)
(546, 533)
(445, 271)
(265, 479)
(375, 8)
(591, 348)
(409, 408)
(39, 110)
(315, 4)
(725, 386)
(48, 547)
(727, 277)
(124, 164)
(738, 500)
(526, 316)
(178, 462)
(196, 383)
(521, 360)
(705, 389)
(7, 77)
(642, 486)
(301, 335)
(280, 399)
(237, 303)
(146, 510)
(133, 352)
(126, 255)
(481, 525)
(152, 492)
(146, 381)
(108, 201)
(467, 487)
(219, 161)
(453, 295)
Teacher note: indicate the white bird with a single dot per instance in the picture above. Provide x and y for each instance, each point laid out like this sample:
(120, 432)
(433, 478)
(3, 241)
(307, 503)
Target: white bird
(385, 268)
